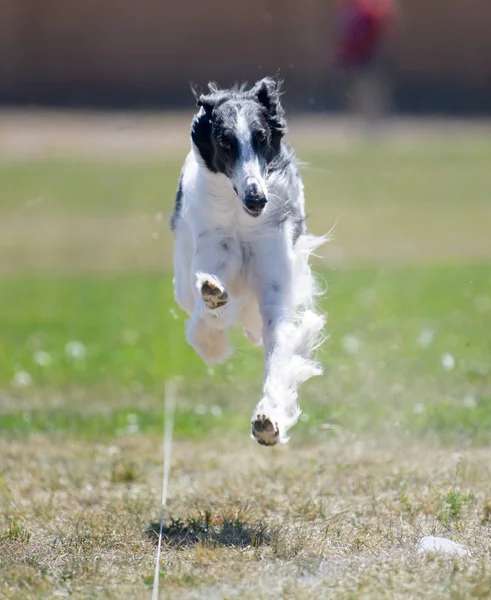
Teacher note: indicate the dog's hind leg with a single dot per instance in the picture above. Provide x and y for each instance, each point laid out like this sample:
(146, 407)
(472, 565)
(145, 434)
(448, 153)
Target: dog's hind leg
(210, 343)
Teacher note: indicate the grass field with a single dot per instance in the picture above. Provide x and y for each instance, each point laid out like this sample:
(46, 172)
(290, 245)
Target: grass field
(393, 443)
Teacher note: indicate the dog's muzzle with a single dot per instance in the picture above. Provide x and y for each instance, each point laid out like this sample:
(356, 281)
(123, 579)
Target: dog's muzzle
(254, 201)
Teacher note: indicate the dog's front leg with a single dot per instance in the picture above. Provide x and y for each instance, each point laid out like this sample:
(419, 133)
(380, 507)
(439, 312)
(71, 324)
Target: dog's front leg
(273, 261)
(215, 264)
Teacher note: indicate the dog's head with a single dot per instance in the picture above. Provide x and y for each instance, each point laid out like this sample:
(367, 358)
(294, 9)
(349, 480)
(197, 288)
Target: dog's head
(238, 133)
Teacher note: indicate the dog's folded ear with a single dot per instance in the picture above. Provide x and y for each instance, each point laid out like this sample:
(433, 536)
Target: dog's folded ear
(201, 128)
(208, 102)
(267, 92)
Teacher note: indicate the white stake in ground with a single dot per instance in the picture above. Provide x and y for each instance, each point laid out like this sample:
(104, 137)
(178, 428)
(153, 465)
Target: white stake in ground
(170, 406)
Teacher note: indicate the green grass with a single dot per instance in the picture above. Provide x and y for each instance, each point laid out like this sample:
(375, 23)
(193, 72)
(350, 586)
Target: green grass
(86, 186)
(431, 171)
(391, 331)
(410, 202)
(392, 443)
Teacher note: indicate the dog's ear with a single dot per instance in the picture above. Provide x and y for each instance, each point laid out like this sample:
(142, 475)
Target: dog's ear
(201, 129)
(207, 102)
(267, 92)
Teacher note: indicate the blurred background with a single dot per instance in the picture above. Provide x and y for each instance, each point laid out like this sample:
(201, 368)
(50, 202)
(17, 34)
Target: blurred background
(389, 106)
(143, 54)
(389, 109)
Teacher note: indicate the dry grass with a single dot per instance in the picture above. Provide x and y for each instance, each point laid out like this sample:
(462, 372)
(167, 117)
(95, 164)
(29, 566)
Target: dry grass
(338, 520)
(334, 514)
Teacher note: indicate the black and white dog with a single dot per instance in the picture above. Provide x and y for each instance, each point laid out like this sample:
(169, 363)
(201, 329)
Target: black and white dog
(241, 250)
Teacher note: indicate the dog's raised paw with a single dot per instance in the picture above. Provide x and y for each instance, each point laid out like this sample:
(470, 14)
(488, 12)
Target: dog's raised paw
(265, 431)
(214, 294)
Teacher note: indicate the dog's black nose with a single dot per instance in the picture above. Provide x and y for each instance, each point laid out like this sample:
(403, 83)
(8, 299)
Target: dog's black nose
(254, 201)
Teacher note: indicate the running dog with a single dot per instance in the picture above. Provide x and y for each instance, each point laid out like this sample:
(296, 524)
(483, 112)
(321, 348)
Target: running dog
(241, 251)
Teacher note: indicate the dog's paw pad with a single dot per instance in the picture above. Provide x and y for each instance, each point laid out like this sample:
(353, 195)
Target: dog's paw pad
(214, 294)
(265, 431)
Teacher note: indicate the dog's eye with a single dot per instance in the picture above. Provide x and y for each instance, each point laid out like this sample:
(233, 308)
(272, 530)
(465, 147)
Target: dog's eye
(225, 144)
(261, 137)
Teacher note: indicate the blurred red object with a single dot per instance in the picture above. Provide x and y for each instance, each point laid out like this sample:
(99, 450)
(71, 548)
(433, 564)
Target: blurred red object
(361, 29)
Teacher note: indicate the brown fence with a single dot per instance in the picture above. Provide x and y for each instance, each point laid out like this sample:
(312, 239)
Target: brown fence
(126, 51)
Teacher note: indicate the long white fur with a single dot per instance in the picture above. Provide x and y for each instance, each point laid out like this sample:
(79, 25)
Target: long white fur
(271, 289)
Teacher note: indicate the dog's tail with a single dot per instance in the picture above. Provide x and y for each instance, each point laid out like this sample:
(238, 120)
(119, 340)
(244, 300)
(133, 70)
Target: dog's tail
(307, 287)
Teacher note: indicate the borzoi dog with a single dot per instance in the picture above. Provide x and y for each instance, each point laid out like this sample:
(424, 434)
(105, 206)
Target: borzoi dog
(241, 253)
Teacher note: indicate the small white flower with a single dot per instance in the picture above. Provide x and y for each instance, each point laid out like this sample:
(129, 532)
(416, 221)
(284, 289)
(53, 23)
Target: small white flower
(425, 337)
(130, 337)
(42, 358)
(397, 388)
(211, 371)
(173, 314)
(351, 344)
(482, 303)
(21, 379)
(159, 216)
(133, 428)
(470, 402)
(200, 409)
(216, 411)
(448, 361)
(75, 350)
(304, 417)
(419, 408)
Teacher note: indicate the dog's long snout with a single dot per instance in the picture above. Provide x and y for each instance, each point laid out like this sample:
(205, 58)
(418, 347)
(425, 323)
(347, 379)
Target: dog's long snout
(254, 200)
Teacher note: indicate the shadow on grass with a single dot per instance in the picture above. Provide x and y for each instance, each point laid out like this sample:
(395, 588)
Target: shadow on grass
(214, 530)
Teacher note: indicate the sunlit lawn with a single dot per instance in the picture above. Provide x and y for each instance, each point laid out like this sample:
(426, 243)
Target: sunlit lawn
(90, 333)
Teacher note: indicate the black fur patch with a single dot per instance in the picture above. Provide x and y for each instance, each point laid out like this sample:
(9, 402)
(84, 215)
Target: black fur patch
(215, 123)
(214, 131)
(177, 205)
(298, 227)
